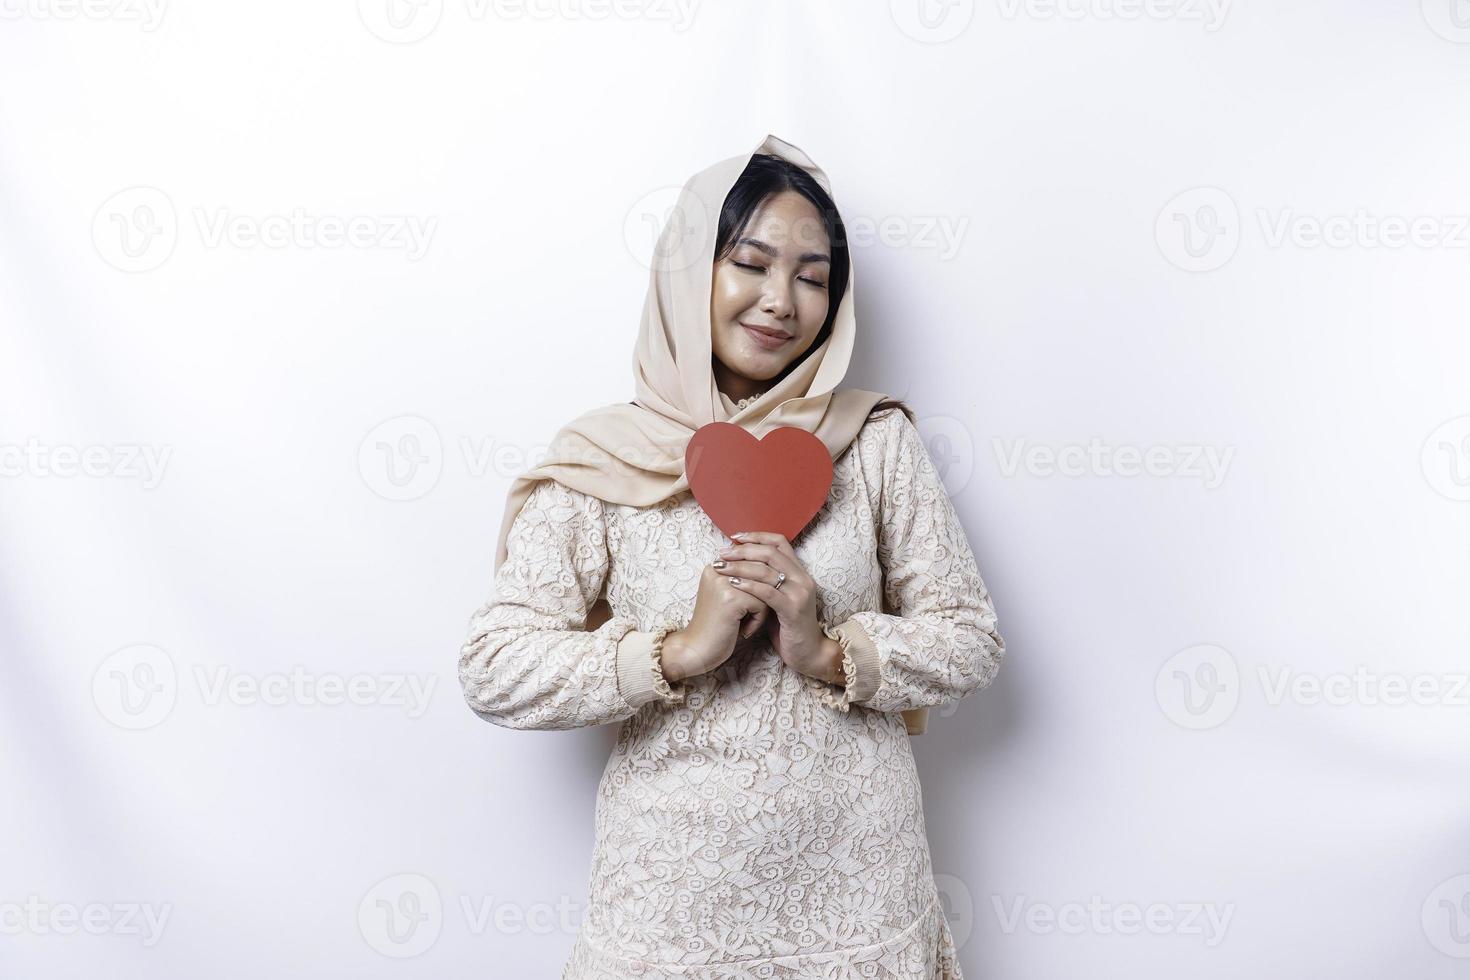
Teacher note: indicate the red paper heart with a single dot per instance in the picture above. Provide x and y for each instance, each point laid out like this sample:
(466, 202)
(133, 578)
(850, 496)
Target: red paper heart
(775, 483)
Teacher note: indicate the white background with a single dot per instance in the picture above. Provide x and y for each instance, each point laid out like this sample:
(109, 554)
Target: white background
(1108, 226)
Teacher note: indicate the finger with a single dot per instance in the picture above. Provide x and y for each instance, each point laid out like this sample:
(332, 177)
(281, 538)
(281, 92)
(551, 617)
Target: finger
(747, 569)
(769, 554)
(757, 618)
(757, 571)
(777, 599)
(777, 541)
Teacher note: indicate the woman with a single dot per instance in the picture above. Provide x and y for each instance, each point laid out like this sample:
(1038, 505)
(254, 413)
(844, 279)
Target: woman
(760, 816)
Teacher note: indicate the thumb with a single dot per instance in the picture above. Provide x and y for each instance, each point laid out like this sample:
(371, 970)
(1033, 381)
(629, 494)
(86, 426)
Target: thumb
(757, 618)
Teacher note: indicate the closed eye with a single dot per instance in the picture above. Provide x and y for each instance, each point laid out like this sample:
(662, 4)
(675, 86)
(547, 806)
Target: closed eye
(757, 268)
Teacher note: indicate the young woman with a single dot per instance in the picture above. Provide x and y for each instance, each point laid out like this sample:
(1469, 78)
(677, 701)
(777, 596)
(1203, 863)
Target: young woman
(760, 816)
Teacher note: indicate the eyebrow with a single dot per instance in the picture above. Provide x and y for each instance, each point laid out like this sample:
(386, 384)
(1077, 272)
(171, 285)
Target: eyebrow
(756, 243)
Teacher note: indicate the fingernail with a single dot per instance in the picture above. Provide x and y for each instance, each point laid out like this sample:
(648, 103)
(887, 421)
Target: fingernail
(739, 534)
(720, 563)
(734, 580)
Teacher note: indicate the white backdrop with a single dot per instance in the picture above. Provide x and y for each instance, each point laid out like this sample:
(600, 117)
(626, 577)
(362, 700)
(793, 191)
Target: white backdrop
(290, 292)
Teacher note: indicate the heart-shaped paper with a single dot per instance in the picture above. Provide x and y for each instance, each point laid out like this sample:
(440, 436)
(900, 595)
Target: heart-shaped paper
(775, 483)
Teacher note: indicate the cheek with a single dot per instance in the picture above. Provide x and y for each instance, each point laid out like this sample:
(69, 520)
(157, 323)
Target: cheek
(727, 298)
(813, 310)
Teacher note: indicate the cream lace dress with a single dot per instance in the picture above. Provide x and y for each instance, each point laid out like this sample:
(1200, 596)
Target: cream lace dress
(752, 822)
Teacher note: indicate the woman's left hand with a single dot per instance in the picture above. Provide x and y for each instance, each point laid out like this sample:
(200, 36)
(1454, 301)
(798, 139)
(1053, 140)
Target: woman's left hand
(754, 564)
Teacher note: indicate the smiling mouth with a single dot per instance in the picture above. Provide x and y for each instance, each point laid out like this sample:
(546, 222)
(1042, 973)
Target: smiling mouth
(769, 339)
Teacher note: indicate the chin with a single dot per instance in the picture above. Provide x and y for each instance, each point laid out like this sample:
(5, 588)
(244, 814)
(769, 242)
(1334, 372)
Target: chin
(761, 370)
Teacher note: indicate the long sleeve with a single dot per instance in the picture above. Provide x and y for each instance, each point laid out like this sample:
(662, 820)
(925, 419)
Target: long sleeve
(941, 644)
(529, 661)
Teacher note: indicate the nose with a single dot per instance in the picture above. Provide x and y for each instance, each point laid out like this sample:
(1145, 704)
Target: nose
(777, 299)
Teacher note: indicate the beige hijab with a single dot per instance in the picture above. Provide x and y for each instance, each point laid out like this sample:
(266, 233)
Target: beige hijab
(633, 453)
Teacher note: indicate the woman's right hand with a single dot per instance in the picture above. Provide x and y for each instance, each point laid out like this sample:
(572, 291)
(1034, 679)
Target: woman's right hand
(720, 610)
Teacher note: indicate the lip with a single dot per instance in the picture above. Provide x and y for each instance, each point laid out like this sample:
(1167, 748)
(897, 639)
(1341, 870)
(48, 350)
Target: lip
(767, 339)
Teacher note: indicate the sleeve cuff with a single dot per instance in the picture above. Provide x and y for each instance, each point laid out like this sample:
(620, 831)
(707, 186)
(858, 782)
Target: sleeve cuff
(864, 683)
(639, 678)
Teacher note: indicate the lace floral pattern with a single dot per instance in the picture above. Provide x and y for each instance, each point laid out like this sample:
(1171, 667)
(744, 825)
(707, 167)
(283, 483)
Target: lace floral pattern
(763, 825)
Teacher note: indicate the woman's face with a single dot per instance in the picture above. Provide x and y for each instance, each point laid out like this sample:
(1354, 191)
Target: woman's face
(768, 298)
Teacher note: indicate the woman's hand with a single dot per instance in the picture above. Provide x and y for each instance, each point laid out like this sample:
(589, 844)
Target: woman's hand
(753, 567)
(710, 637)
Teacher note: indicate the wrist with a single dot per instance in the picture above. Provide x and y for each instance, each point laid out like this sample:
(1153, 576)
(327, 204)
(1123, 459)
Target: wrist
(671, 659)
(830, 663)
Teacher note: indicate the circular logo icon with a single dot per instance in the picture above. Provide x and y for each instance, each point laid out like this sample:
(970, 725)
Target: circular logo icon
(1450, 19)
(400, 21)
(1445, 459)
(135, 230)
(401, 916)
(136, 687)
(951, 449)
(668, 229)
(1198, 687)
(1198, 230)
(402, 458)
(932, 21)
(1446, 917)
(959, 907)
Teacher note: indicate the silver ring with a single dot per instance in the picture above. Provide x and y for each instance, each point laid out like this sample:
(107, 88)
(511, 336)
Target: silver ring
(780, 578)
